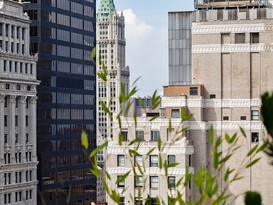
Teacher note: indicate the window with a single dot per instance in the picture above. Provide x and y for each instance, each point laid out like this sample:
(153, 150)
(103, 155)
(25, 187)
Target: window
(225, 118)
(16, 102)
(254, 137)
(5, 120)
(254, 37)
(153, 160)
(26, 137)
(7, 158)
(6, 101)
(171, 159)
(121, 161)
(18, 196)
(193, 90)
(254, 114)
(18, 87)
(154, 135)
(239, 38)
(7, 198)
(140, 135)
(138, 201)
(28, 157)
(122, 201)
(138, 160)
(26, 120)
(120, 182)
(153, 182)
(16, 138)
(138, 181)
(16, 120)
(190, 160)
(175, 113)
(124, 135)
(6, 138)
(171, 182)
(212, 96)
(243, 118)
(7, 86)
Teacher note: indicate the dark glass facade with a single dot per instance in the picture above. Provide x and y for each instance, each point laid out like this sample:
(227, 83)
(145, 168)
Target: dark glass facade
(63, 34)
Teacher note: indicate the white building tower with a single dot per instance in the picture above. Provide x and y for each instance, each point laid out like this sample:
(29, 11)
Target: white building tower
(18, 158)
(110, 53)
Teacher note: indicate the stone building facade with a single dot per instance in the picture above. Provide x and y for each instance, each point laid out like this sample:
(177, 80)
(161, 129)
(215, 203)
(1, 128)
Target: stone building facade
(18, 157)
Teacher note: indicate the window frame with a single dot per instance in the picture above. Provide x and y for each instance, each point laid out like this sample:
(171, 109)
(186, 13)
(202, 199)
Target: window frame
(153, 163)
(154, 184)
(171, 185)
(120, 161)
(155, 134)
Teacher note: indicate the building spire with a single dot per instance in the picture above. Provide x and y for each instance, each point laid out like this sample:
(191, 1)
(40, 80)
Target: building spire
(106, 9)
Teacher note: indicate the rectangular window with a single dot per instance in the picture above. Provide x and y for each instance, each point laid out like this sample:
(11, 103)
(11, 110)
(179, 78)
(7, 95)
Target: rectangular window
(254, 114)
(171, 159)
(154, 135)
(120, 160)
(193, 90)
(239, 38)
(16, 120)
(124, 135)
(254, 37)
(212, 96)
(6, 101)
(122, 201)
(6, 138)
(26, 120)
(140, 135)
(153, 160)
(254, 137)
(225, 118)
(190, 160)
(5, 120)
(175, 113)
(120, 182)
(16, 138)
(138, 201)
(243, 118)
(171, 182)
(138, 160)
(138, 181)
(7, 86)
(153, 182)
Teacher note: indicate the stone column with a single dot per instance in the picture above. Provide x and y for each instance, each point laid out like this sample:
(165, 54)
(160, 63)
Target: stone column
(33, 134)
(20, 40)
(22, 130)
(26, 36)
(11, 125)
(4, 36)
(9, 38)
(15, 40)
(2, 142)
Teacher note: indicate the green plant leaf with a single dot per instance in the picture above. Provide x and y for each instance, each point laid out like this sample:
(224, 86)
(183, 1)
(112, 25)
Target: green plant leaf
(93, 54)
(211, 135)
(100, 148)
(243, 132)
(253, 149)
(252, 162)
(84, 139)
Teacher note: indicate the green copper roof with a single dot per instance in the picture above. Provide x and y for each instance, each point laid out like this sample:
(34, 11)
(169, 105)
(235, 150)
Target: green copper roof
(106, 9)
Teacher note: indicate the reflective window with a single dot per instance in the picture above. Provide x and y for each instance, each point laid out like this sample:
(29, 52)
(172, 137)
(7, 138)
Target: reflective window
(63, 51)
(63, 19)
(76, 53)
(76, 8)
(76, 38)
(63, 35)
(88, 11)
(64, 4)
(76, 68)
(63, 66)
(88, 26)
(76, 23)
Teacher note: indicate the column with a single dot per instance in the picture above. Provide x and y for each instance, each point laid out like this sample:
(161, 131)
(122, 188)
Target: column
(11, 125)
(9, 38)
(4, 37)
(15, 40)
(26, 33)
(33, 134)
(22, 130)
(2, 106)
(20, 40)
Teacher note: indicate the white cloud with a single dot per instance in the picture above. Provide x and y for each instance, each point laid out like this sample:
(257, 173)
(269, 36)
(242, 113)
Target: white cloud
(147, 53)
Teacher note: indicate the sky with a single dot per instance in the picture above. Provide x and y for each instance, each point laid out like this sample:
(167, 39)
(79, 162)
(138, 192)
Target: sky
(146, 24)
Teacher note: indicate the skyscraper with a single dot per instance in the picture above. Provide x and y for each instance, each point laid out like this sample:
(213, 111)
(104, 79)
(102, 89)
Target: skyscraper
(111, 50)
(18, 157)
(63, 35)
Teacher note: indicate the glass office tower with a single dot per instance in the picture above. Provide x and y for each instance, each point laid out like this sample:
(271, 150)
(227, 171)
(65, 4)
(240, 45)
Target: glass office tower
(63, 34)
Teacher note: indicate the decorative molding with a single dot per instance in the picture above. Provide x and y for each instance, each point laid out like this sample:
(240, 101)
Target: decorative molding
(198, 28)
(208, 103)
(231, 48)
(2, 98)
(150, 170)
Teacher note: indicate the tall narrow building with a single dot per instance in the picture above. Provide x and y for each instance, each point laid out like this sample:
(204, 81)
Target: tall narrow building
(18, 156)
(111, 52)
(63, 35)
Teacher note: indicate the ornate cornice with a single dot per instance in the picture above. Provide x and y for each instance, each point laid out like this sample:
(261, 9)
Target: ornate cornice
(198, 28)
(230, 48)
